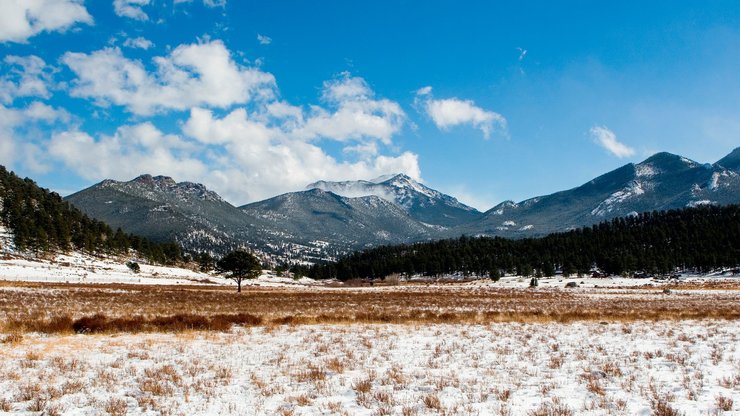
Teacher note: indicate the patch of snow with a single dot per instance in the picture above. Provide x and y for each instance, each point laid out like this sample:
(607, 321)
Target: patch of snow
(383, 235)
(526, 227)
(82, 268)
(7, 245)
(509, 223)
(608, 205)
(689, 162)
(714, 182)
(646, 170)
(694, 204)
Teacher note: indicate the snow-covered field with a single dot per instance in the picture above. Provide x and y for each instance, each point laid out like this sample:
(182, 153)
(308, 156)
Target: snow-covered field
(79, 268)
(636, 368)
(86, 269)
(610, 346)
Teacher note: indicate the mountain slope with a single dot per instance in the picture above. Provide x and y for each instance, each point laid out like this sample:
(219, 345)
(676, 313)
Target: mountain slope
(309, 225)
(320, 218)
(731, 161)
(663, 181)
(420, 202)
(331, 218)
(161, 209)
(35, 220)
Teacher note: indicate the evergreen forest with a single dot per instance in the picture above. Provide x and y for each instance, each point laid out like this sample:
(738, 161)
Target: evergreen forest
(693, 239)
(42, 221)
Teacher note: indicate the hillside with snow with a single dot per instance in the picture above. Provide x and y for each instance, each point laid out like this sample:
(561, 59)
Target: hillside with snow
(330, 219)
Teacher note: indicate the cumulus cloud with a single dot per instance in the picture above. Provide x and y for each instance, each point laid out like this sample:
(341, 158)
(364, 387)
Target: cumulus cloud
(450, 112)
(27, 76)
(17, 145)
(252, 152)
(202, 74)
(357, 114)
(131, 8)
(22, 19)
(239, 139)
(264, 40)
(129, 152)
(608, 140)
(259, 161)
(138, 43)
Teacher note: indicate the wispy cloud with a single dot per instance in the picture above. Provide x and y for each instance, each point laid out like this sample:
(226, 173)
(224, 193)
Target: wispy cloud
(522, 53)
(264, 40)
(608, 140)
(207, 3)
(131, 8)
(138, 43)
(450, 112)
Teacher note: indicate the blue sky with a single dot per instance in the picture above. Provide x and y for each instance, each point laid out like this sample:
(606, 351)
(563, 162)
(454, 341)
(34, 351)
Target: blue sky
(484, 100)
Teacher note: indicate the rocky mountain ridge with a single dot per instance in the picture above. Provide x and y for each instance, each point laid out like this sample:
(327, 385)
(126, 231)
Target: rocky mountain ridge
(331, 218)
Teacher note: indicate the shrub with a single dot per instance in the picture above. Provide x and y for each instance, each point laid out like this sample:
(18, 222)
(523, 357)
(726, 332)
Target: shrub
(724, 403)
(133, 266)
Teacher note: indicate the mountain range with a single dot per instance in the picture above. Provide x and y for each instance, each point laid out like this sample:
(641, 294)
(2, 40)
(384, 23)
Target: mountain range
(328, 219)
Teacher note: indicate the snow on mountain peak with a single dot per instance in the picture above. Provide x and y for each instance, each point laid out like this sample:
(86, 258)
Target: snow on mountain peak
(398, 188)
(646, 170)
(383, 178)
(163, 185)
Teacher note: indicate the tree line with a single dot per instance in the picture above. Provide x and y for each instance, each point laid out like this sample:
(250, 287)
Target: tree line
(700, 239)
(42, 221)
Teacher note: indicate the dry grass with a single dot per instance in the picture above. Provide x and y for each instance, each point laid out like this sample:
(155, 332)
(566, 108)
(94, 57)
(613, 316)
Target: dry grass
(724, 403)
(100, 323)
(67, 308)
(662, 368)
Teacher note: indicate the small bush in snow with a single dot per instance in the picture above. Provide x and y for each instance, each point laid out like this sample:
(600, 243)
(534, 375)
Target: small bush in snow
(133, 266)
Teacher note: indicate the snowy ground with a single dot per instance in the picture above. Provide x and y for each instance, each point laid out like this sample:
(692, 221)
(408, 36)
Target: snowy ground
(601, 282)
(80, 268)
(87, 269)
(637, 368)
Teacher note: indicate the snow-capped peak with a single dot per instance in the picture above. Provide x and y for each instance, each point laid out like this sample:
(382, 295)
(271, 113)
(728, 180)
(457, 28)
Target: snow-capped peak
(399, 189)
(383, 178)
(163, 186)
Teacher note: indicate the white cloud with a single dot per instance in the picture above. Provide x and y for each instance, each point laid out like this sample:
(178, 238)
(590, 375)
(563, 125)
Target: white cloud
(357, 115)
(450, 112)
(26, 77)
(424, 90)
(129, 152)
(138, 43)
(608, 140)
(522, 53)
(261, 148)
(22, 19)
(251, 155)
(259, 161)
(131, 8)
(201, 74)
(264, 40)
(16, 145)
(207, 3)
